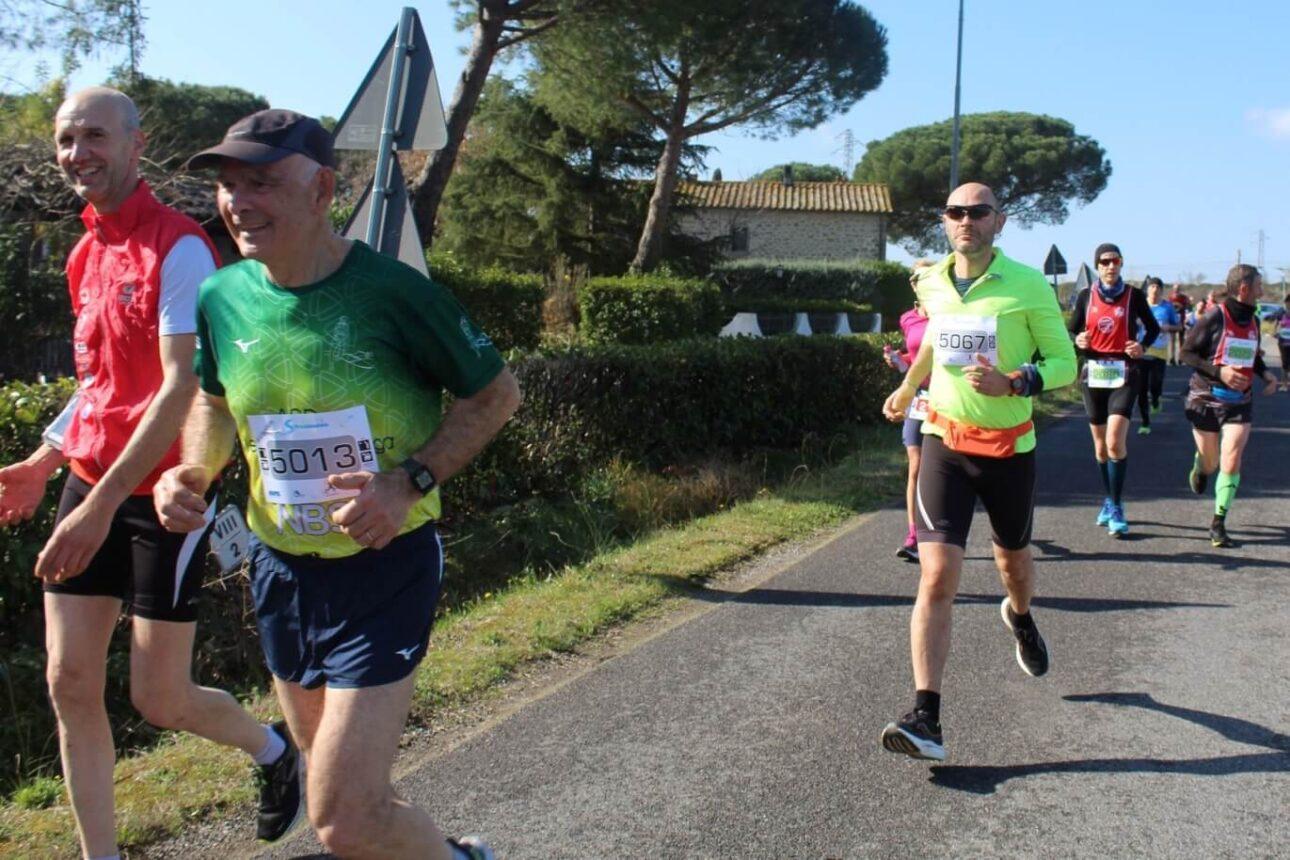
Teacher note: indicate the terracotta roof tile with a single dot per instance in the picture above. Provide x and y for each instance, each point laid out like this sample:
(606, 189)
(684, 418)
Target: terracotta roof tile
(800, 196)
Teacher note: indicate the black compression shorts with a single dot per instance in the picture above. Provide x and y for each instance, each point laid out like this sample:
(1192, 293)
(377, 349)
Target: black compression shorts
(1100, 403)
(950, 483)
(157, 573)
(1209, 416)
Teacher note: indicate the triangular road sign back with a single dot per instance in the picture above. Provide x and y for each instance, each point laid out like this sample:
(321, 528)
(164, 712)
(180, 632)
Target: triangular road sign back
(398, 237)
(1055, 263)
(420, 125)
(1084, 279)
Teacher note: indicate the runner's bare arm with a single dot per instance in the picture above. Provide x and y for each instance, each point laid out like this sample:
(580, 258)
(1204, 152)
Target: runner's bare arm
(208, 437)
(22, 484)
(469, 425)
(375, 516)
(898, 401)
(80, 535)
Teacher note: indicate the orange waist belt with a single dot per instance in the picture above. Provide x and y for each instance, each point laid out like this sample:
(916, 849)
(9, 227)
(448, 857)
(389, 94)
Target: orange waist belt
(979, 441)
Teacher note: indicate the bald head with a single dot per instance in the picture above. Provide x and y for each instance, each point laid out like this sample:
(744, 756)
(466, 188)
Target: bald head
(93, 100)
(98, 144)
(972, 193)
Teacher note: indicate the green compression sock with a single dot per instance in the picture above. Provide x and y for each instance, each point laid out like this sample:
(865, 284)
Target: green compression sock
(1225, 491)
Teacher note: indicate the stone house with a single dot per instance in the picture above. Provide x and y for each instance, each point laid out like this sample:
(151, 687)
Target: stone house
(787, 219)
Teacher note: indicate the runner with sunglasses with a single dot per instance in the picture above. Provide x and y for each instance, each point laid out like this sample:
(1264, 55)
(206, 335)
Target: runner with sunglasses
(1102, 321)
(989, 317)
(1225, 351)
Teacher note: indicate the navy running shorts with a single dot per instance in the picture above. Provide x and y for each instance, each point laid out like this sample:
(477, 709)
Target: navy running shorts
(912, 433)
(359, 621)
(156, 573)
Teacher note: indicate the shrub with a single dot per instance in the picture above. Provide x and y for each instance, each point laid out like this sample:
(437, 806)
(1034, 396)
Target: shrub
(648, 309)
(670, 403)
(884, 286)
(505, 305)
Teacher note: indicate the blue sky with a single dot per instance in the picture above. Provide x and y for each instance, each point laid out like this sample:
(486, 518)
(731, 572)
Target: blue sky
(1191, 100)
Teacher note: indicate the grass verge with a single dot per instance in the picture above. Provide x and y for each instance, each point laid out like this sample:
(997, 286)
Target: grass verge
(186, 779)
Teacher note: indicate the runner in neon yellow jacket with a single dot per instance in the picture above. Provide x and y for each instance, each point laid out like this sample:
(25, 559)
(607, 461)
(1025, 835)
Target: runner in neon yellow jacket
(990, 316)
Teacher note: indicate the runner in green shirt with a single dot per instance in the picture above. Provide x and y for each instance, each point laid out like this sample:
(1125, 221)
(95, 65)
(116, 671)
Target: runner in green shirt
(328, 363)
(989, 317)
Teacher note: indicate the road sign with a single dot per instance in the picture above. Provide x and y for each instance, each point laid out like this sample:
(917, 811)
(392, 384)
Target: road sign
(398, 235)
(419, 124)
(396, 107)
(1055, 263)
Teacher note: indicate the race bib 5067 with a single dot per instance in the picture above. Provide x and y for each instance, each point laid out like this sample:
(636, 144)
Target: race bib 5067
(959, 337)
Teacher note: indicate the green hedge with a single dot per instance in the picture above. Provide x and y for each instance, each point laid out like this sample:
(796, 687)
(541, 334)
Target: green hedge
(505, 305)
(648, 309)
(884, 286)
(670, 403)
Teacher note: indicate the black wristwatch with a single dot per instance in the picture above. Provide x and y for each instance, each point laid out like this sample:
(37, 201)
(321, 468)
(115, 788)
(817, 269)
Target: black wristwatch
(423, 480)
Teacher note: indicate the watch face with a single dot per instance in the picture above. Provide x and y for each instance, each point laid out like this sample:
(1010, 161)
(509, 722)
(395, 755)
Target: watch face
(423, 480)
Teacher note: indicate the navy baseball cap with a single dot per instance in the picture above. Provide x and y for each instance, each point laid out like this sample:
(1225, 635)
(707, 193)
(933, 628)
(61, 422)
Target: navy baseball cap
(267, 136)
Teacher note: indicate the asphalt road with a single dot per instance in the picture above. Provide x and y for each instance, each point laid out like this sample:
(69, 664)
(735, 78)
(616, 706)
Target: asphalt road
(751, 729)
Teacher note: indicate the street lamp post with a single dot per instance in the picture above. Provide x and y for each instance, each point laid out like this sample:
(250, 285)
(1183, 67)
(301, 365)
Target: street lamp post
(958, 78)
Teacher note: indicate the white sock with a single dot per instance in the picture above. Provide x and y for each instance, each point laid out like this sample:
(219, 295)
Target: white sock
(274, 747)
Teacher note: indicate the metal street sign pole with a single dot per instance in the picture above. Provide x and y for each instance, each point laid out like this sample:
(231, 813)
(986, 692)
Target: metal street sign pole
(385, 149)
(395, 108)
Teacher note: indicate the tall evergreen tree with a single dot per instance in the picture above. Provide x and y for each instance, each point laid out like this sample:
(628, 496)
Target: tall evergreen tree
(688, 69)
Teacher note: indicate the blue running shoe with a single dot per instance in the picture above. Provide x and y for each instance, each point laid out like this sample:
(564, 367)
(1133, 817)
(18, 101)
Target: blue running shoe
(1104, 515)
(1117, 525)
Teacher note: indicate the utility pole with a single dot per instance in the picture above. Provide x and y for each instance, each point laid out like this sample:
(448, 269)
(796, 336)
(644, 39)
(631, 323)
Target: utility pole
(1262, 239)
(958, 79)
(848, 150)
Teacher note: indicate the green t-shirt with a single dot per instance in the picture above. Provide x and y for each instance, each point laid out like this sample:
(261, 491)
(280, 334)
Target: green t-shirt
(375, 334)
(1028, 320)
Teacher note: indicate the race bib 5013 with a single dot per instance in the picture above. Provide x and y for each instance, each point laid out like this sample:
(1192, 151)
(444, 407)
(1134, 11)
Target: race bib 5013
(296, 453)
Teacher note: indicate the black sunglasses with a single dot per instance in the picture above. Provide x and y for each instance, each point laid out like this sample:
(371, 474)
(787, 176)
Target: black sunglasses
(976, 213)
(1110, 261)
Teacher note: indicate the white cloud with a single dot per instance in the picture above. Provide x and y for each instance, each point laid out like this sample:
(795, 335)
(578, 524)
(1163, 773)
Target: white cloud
(1273, 122)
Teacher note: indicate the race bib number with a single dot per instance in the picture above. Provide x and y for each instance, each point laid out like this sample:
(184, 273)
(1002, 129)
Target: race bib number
(960, 337)
(918, 406)
(1239, 352)
(229, 539)
(296, 453)
(1105, 374)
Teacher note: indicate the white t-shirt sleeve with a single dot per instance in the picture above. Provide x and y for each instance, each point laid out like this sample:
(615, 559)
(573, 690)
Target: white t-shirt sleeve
(182, 272)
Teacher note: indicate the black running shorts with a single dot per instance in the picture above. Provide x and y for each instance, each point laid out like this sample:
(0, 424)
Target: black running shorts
(1209, 417)
(950, 483)
(1100, 403)
(157, 573)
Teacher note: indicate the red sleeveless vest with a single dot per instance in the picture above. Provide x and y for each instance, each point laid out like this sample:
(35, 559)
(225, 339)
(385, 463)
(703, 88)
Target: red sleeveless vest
(114, 275)
(1107, 322)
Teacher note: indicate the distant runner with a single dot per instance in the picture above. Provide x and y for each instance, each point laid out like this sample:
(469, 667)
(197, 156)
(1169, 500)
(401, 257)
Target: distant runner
(989, 317)
(1157, 353)
(1225, 350)
(1102, 321)
(913, 323)
(1283, 343)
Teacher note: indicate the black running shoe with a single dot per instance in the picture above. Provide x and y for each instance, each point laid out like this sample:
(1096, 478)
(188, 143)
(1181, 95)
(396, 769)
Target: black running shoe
(281, 802)
(916, 736)
(1032, 653)
(909, 552)
(1197, 479)
(1218, 534)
